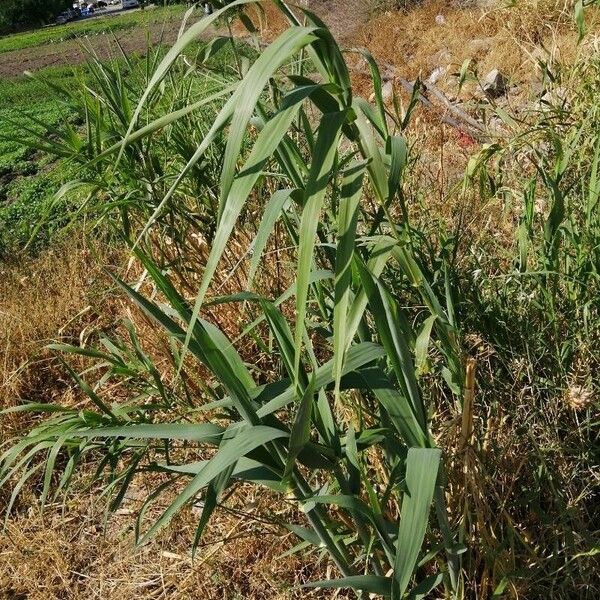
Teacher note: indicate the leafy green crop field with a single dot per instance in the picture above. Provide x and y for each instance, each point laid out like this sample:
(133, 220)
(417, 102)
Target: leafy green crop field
(90, 27)
(28, 179)
(21, 101)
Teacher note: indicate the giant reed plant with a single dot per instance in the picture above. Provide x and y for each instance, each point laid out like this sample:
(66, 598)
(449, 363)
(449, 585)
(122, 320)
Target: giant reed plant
(332, 165)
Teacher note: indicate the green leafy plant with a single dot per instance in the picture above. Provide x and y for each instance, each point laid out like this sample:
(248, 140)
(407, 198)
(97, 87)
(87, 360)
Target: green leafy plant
(332, 166)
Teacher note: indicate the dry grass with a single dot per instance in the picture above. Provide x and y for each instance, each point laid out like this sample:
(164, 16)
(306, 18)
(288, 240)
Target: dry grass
(63, 295)
(75, 555)
(70, 551)
(60, 295)
(510, 39)
(410, 43)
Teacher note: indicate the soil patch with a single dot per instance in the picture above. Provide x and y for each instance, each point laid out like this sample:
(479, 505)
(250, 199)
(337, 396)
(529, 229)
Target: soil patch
(75, 52)
(343, 18)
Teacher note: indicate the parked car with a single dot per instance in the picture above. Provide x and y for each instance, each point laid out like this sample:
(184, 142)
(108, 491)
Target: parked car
(66, 16)
(131, 3)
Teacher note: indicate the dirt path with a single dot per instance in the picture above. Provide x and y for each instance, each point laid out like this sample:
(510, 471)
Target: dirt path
(342, 18)
(71, 52)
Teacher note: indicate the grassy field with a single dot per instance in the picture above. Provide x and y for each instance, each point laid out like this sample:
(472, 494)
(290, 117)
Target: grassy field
(29, 178)
(99, 25)
(303, 326)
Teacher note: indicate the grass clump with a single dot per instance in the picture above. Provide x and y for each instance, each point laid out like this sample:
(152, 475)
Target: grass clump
(271, 431)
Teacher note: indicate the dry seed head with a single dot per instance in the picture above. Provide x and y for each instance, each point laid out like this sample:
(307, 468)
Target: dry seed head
(578, 397)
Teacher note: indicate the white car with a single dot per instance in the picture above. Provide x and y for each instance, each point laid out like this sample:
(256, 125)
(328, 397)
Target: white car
(131, 3)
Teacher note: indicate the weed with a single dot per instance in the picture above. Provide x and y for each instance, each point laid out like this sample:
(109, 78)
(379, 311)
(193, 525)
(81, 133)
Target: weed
(274, 433)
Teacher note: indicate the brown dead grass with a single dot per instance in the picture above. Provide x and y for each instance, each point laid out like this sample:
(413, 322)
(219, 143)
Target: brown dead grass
(409, 44)
(75, 555)
(60, 295)
(510, 39)
(70, 551)
(72, 554)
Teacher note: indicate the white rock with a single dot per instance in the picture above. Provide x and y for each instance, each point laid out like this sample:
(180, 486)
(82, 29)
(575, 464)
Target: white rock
(440, 19)
(436, 74)
(555, 96)
(496, 123)
(387, 91)
(494, 84)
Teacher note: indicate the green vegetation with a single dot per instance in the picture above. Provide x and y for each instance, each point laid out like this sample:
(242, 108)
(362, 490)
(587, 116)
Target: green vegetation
(255, 441)
(27, 104)
(99, 25)
(29, 178)
(264, 197)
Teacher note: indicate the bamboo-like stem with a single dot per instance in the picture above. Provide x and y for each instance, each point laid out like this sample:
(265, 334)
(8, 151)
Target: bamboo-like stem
(468, 397)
